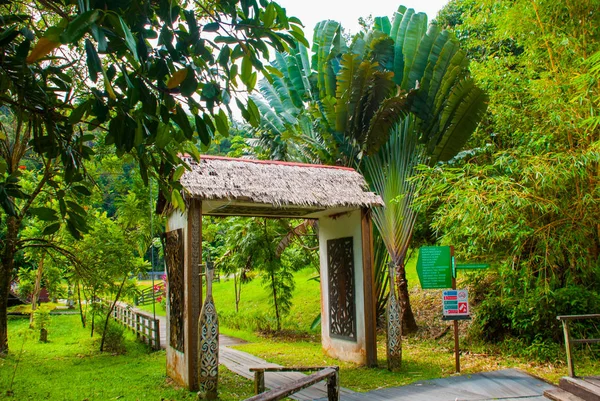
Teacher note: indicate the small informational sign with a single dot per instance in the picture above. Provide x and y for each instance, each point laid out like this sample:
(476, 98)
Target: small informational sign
(455, 304)
(434, 267)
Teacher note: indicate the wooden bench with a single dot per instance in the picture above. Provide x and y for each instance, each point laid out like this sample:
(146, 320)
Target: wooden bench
(329, 373)
(566, 319)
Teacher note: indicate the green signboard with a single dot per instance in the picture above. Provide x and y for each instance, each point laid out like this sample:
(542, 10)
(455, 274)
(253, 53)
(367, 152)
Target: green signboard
(434, 267)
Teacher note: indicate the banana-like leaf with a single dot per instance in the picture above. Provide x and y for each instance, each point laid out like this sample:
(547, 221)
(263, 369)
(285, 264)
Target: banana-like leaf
(358, 45)
(440, 68)
(270, 94)
(326, 46)
(399, 61)
(327, 114)
(422, 57)
(380, 87)
(464, 121)
(396, 21)
(304, 64)
(382, 24)
(421, 104)
(381, 50)
(457, 69)
(389, 113)
(345, 79)
(415, 31)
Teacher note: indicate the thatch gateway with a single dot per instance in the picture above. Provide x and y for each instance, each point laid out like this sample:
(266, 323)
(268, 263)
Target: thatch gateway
(337, 196)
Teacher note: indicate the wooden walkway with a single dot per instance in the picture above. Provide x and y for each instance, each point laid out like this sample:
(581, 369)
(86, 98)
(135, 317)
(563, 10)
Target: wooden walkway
(505, 385)
(240, 362)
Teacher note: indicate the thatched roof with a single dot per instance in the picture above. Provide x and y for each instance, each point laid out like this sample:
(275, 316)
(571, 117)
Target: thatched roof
(229, 186)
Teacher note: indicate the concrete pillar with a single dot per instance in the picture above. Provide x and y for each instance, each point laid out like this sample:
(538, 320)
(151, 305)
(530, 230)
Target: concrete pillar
(342, 235)
(182, 365)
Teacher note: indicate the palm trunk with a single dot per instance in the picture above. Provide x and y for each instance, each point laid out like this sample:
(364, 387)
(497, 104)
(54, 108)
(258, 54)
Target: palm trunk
(409, 324)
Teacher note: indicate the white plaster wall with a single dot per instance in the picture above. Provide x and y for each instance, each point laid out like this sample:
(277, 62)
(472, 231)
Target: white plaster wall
(345, 225)
(176, 361)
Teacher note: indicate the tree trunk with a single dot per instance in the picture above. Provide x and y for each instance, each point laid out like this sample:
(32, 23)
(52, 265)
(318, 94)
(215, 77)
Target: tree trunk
(6, 271)
(80, 306)
(36, 289)
(275, 301)
(235, 289)
(110, 311)
(409, 325)
(4, 288)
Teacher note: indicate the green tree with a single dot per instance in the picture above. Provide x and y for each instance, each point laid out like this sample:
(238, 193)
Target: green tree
(253, 244)
(526, 195)
(343, 106)
(129, 71)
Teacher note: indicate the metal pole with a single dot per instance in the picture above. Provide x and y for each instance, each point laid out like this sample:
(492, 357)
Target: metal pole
(456, 345)
(568, 346)
(152, 249)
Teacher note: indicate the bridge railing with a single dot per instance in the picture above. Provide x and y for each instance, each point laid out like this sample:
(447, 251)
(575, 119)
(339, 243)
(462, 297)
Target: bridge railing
(145, 326)
(329, 373)
(565, 320)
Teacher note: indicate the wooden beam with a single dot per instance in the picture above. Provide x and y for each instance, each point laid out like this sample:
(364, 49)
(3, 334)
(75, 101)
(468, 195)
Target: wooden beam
(370, 301)
(293, 387)
(193, 290)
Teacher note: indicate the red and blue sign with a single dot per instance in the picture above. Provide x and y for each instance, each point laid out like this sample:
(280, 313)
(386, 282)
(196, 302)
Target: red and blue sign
(455, 302)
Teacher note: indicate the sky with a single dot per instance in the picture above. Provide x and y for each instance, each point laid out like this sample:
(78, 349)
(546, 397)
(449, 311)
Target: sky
(348, 11)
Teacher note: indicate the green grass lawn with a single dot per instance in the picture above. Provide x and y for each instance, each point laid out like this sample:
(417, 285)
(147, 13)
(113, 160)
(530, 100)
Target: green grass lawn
(256, 300)
(70, 367)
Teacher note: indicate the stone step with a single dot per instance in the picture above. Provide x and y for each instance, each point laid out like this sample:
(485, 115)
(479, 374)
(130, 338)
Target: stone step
(581, 388)
(561, 395)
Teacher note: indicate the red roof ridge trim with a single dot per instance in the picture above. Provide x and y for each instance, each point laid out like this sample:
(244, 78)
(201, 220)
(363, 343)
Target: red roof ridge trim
(277, 162)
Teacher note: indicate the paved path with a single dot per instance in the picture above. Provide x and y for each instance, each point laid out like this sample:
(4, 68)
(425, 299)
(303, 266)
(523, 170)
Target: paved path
(505, 385)
(240, 362)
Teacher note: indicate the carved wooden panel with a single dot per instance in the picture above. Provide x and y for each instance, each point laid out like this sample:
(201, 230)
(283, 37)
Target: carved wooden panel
(175, 269)
(394, 326)
(342, 306)
(208, 328)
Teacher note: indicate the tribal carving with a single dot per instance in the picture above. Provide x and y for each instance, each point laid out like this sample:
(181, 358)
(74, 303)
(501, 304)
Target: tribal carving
(342, 306)
(208, 346)
(175, 270)
(394, 326)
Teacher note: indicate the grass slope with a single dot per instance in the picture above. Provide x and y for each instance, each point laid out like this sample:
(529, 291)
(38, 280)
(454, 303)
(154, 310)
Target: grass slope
(70, 367)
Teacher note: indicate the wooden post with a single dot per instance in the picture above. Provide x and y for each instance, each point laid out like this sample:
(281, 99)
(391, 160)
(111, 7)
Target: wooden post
(456, 345)
(156, 334)
(259, 381)
(193, 290)
(568, 347)
(208, 342)
(333, 386)
(370, 303)
(137, 325)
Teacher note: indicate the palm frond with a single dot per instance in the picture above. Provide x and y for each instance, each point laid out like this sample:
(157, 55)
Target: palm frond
(390, 172)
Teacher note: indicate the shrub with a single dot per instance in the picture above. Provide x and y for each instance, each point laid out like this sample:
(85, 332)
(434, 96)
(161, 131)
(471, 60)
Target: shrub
(532, 316)
(114, 336)
(41, 321)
